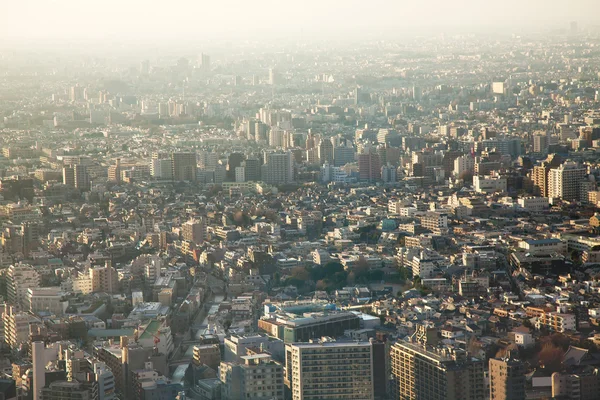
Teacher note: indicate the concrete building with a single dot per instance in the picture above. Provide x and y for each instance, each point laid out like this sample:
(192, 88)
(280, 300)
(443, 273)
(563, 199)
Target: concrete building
(207, 354)
(46, 299)
(489, 184)
(257, 378)
(565, 181)
(194, 230)
(330, 370)
(278, 168)
(184, 166)
(104, 278)
(415, 366)
(16, 327)
(19, 278)
(507, 379)
(369, 167)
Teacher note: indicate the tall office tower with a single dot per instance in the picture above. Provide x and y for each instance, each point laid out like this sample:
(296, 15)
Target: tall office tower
(184, 166)
(250, 129)
(252, 169)
(312, 156)
(261, 131)
(311, 141)
(325, 150)
(69, 175)
(76, 93)
(240, 174)
(369, 167)
(565, 181)
(541, 172)
(343, 155)
(38, 350)
(81, 177)
(278, 169)
(435, 373)
(234, 160)
(417, 93)
(507, 379)
(114, 172)
(208, 160)
(19, 278)
(332, 370)
(273, 77)
(276, 137)
(258, 378)
(104, 278)
(540, 143)
(194, 230)
(205, 62)
(161, 168)
(388, 173)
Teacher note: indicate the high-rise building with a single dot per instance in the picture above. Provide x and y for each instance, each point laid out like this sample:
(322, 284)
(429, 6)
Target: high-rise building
(343, 155)
(16, 326)
(388, 173)
(194, 231)
(205, 62)
(234, 160)
(426, 372)
(69, 175)
(540, 143)
(252, 169)
(81, 177)
(580, 382)
(257, 378)
(325, 151)
(184, 166)
(369, 167)
(278, 168)
(114, 172)
(104, 278)
(507, 379)
(540, 174)
(332, 370)
(19, 279)
(565, 181)
(161, 168)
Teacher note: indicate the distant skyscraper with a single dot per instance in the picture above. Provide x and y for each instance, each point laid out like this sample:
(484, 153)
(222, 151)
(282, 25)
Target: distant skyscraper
(234, 160)
(252, 169)
(184, 166)
(369, 167)
(273, 77)
(325, 150)
(278, 169)
(205, 62)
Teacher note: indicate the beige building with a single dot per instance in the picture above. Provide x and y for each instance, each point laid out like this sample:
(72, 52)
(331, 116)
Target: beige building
(330, 370)
(19, 278)
(435, 373)
(104, 279)
(257, 378)
(207, 354)
(507, 379)
(46, 299)
(16, 326)
(194, 231)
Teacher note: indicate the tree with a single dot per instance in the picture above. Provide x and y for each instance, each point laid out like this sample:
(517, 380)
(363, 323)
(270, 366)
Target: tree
(550, 357)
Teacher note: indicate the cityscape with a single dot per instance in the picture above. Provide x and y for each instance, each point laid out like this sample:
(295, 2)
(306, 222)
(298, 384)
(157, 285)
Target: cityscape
(409, 216)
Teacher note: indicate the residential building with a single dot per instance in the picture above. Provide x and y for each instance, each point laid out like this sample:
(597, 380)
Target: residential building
(257, 378)
(330, 370)
(507, 379)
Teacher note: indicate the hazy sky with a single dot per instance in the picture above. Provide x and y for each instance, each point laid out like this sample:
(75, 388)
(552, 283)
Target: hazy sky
(203, 20)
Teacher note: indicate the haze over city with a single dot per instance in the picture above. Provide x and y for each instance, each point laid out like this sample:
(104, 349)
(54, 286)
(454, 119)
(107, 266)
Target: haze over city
(274, 200)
